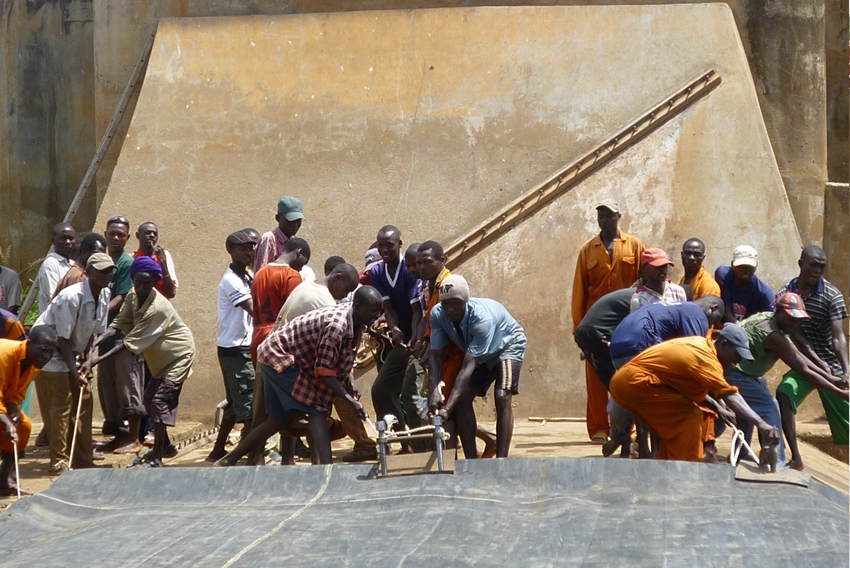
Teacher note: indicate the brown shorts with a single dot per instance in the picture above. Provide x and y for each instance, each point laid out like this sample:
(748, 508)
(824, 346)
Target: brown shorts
(161, 399)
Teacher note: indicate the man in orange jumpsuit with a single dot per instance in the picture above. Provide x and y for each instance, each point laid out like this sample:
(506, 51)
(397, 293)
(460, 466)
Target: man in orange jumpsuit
(663, 386)
(609, 261)
(20, 362)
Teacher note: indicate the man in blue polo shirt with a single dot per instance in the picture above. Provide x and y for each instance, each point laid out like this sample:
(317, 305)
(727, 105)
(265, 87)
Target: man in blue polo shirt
(821, 339)
(742, 291)
(648, 326)
(399, 291)
(494, 347)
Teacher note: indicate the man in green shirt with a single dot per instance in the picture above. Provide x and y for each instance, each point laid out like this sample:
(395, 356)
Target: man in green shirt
(768, 336)
(119, 379)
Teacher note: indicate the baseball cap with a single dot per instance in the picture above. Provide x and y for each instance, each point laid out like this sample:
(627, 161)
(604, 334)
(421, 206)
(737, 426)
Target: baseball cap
(454, 287)
(745, 255)
(792, 304)
(100, 261)
(291, 208)
(609, 204)
(656, 257)
(239, 238)
(735, 334)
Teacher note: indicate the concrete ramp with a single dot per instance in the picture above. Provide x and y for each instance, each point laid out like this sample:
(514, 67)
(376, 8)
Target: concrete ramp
(433, 120)
(509, 512)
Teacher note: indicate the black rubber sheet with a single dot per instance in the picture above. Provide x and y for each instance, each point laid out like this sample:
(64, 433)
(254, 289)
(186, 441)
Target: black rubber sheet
(501, 512)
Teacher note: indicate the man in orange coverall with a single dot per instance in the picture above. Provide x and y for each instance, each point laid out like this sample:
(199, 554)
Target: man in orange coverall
(609, 261)
(20, 362)
(663, 386)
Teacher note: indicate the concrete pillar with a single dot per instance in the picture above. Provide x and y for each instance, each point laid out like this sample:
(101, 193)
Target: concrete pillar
(837, 99)
(46, 122)
(836, 239)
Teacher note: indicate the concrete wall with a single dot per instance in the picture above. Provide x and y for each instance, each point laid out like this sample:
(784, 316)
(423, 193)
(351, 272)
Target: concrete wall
(783, 39)
(373, 118)
(47, 120)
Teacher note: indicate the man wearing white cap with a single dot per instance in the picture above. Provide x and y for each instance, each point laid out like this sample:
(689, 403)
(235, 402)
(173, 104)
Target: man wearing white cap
(77, 314)
(494, 346)
(742, 291)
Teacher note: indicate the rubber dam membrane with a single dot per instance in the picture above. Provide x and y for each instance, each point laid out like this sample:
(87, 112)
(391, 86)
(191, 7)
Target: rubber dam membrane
(498, 512)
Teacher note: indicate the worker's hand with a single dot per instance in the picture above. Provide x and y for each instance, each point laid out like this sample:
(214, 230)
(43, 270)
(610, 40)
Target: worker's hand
(396, 336)
(358, 408)
(435, 402)
(845, 394)
(82, 381)
(12, 434)
(159, 253)
(14, 414)
(87, 366)
(443, 413)
(770, 435)
(727, 415)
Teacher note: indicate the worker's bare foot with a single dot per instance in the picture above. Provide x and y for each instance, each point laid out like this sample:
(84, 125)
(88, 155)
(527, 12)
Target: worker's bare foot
(609, 447)
(214, 456)
(489, 448)
(223, 462)
(796, 464)
(710, 453)
(131, 447)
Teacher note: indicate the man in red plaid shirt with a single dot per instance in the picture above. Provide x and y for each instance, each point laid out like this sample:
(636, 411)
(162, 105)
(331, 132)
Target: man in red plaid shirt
(305, 365)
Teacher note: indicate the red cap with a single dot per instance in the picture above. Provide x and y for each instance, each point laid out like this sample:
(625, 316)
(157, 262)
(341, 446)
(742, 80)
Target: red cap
(655, 257)
(792, 304)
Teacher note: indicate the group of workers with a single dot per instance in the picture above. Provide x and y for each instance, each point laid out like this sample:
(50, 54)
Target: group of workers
(674, 357)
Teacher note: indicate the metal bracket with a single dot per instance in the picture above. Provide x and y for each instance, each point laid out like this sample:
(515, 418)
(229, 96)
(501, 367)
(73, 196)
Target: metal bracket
(414, 463)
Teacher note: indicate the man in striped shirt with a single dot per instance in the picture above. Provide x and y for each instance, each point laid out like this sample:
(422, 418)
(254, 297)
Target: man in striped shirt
(821, 339)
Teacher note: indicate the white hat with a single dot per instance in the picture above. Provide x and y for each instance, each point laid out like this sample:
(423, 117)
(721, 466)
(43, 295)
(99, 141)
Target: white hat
(745, 255)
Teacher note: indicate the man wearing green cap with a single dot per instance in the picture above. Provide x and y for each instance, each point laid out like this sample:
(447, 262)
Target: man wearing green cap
(77, 314)
(290, 214)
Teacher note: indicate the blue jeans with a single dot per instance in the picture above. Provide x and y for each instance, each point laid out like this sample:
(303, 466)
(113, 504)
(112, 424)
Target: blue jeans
(758, 396)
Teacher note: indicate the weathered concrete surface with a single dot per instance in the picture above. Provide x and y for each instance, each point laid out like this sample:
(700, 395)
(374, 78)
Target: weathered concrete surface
(836, 19)
(836, 241)
(428, 120)
(783, 39)
(46, 121)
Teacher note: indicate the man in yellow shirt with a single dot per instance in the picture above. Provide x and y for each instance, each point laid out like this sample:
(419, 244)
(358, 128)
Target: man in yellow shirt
(663, 386)
(20, 362)
(609, 261)
(696, 276)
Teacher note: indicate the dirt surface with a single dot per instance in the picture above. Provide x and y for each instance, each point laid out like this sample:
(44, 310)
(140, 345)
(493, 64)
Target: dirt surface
(531, 439)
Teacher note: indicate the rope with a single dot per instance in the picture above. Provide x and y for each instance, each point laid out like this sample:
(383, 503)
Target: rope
(392, 421)
(17, 469)
(739, 442)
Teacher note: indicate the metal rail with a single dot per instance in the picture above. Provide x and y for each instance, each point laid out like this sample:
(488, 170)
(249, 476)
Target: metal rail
(542, 194)
(103, 147)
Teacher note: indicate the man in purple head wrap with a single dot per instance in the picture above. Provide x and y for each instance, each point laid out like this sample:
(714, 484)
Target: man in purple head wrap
(154, 330)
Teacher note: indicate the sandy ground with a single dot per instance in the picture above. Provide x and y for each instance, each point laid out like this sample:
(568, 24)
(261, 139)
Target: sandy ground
(531, 439)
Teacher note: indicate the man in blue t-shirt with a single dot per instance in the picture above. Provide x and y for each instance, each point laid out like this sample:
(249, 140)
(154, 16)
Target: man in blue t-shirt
(494, 347)
(742, 291)
(398, 289)
(648, 326)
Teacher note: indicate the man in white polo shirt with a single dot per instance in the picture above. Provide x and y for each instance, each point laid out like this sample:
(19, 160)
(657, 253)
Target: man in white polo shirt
(235, 328)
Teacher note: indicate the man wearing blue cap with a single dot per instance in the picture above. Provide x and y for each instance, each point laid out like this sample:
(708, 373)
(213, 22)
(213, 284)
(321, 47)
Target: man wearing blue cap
(290, 214)
(664, 385)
